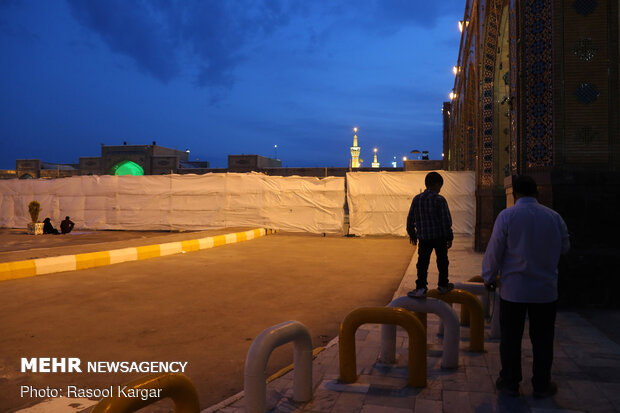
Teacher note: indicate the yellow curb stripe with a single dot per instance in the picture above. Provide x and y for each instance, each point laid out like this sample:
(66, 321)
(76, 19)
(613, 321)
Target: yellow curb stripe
(29, 268)
(219, 240)
(191, 245)
(148, 251)
(17, 269)
(91, 260)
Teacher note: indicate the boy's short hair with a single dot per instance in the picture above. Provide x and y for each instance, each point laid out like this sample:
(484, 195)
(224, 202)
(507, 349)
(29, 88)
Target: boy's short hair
(432, 179)
(524, 185)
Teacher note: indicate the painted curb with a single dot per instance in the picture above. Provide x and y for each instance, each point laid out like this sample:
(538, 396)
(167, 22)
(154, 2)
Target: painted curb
(40, 266)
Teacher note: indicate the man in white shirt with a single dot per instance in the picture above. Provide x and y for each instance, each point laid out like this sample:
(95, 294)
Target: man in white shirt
(524, 250)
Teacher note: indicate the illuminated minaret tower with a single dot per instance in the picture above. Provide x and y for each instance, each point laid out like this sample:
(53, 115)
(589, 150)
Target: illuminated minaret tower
(355, 151)
(375, 163)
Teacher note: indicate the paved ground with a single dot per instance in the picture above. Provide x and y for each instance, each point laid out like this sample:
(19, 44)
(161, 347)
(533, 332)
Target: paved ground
(203, 307)
(586, 368)
(587, 348)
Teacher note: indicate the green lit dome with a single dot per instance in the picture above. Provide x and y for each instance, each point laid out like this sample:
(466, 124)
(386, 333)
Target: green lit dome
(127, 168)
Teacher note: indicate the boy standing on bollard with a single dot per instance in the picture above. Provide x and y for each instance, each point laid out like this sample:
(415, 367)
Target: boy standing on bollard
(430, 223)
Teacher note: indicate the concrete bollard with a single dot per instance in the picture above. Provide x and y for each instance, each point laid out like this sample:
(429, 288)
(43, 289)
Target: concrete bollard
(255, 376)
(480, 291)
(450, 357)
(476, 332)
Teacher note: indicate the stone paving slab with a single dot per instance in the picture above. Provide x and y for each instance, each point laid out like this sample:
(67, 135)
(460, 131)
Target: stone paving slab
(586, 368)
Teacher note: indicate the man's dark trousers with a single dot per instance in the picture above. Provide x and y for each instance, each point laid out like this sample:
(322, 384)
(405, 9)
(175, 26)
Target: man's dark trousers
(542, 327)
(425, 248)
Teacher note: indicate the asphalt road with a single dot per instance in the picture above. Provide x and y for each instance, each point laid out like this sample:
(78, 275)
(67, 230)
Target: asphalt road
(203, 307)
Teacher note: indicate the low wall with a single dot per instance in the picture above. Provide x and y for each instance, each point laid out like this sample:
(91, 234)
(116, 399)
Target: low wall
(180, 202)
(379, 202)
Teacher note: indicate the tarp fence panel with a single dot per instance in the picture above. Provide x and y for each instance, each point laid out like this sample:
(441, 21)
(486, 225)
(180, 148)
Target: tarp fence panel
(180, 202)
(379, 201)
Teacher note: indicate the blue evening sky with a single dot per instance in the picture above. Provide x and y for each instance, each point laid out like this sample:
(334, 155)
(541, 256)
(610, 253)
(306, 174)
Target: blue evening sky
(226, 77)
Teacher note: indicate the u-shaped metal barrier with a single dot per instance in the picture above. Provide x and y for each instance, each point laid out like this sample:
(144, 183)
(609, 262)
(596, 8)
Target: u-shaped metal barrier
(450, 357)
(467, 299)
(151, 389)
(478, 290)
(255, 376)
(490, 302)
(383, 315)
(475, 280)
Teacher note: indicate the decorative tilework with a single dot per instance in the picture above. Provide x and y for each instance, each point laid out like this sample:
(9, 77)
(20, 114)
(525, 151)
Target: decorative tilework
(538, 87)
(492, 21)
(584, 7)
(514, 138)
(586, 93)
(584, 50)
(586, 135)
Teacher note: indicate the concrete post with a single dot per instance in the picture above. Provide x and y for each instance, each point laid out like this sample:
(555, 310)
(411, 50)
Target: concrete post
(476, 331)
(450, 358)
(255, 376)
(477, 289)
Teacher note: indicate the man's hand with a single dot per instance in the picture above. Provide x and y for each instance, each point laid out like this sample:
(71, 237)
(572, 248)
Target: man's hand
(449, 244)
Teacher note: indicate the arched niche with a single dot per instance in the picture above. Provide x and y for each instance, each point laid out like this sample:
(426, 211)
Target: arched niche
(127, 168)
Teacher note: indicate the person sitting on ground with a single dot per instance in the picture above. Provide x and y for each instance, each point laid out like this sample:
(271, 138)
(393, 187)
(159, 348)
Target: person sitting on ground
(430, 223)
(48, 228)
(66, 226)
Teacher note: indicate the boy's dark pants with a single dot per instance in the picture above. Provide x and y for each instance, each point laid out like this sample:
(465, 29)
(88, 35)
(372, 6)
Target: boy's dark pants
(425, 247)
(512, 323)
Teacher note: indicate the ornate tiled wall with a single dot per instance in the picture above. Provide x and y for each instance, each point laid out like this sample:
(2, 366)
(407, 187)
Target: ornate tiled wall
(537, 102)
(494, 11)
(514, 95)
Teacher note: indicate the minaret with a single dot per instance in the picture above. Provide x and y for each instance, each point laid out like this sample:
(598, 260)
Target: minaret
(375, 164)
(355, 151)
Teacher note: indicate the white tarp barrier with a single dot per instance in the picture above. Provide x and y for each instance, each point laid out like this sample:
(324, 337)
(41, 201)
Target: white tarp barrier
(379, 201)
(179, 202)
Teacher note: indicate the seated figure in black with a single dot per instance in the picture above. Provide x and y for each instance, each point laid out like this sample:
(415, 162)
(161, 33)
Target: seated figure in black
(48, 228)
(66, 226)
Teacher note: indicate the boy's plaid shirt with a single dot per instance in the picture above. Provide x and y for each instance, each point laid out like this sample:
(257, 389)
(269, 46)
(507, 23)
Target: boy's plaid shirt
(429, 217)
